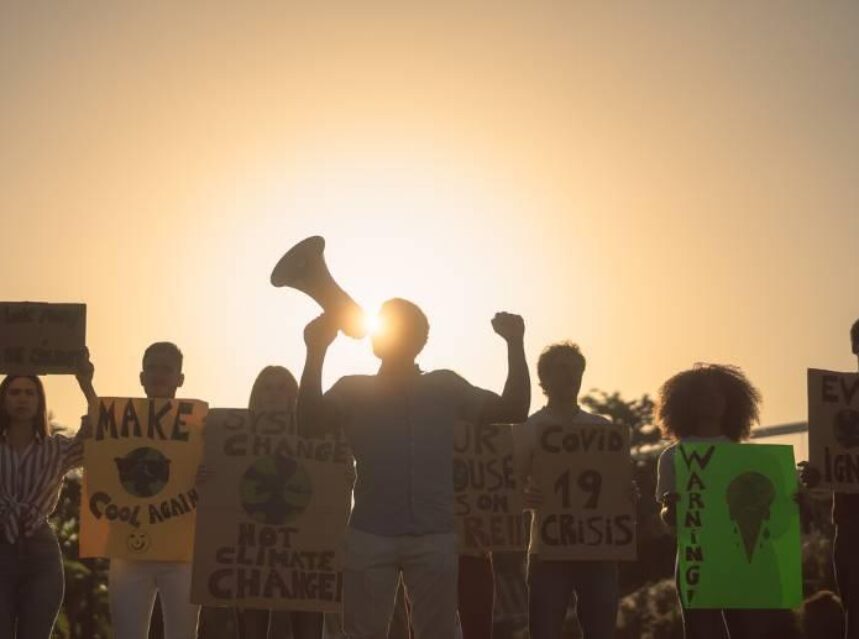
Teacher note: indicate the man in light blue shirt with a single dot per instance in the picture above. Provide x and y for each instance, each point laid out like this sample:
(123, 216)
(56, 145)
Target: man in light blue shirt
(399, 424)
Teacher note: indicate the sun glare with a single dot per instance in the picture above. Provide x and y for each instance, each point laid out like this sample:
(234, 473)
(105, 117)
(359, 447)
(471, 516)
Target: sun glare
(372, 323)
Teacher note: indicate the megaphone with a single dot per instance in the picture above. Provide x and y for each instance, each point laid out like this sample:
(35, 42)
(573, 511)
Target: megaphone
(303, 267)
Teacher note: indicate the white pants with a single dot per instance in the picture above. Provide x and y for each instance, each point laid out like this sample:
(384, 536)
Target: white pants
(132, 588)
(371, 571)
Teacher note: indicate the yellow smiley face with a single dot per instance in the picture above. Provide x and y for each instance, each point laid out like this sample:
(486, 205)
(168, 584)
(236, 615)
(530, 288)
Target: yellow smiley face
(138, 541)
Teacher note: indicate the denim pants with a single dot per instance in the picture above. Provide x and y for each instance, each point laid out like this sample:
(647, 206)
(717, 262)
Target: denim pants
(31, 586)
(551, 585)
(133, 586)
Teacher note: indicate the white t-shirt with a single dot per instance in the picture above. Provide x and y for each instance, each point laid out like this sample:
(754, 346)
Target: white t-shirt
(525, 442)
(666, 477)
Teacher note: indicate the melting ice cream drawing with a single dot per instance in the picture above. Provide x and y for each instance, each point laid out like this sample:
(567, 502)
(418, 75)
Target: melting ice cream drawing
(749, 498)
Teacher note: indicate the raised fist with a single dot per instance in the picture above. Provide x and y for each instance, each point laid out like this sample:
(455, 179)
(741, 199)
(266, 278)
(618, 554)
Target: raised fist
(510, 327)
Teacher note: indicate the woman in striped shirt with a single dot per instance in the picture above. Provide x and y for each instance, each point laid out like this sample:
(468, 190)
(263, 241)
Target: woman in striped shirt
(33, 463)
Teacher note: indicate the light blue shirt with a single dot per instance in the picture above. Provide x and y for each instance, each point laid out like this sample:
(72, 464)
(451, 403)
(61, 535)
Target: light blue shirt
(400, 430)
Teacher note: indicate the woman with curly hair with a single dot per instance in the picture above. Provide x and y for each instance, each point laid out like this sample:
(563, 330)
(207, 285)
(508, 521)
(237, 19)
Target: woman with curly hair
(707, 403)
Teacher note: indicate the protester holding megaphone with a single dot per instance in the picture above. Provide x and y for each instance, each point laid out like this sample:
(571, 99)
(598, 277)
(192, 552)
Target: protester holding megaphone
(399, 425)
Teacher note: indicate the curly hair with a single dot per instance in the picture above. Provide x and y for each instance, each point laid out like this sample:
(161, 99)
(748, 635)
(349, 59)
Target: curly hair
(676, 412)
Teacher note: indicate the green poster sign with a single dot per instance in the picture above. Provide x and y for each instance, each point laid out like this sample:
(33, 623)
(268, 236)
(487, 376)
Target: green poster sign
(737, 526)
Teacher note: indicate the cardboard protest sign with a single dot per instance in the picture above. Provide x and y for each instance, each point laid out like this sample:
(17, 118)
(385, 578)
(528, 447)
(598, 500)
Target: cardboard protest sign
(488, 500)
(140, 466)
(585, 474)
(273, 515)
(38, 338)
(737, 526)
(833, 428)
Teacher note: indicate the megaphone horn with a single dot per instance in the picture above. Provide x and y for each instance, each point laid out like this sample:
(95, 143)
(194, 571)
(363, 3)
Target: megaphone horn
(303, 268)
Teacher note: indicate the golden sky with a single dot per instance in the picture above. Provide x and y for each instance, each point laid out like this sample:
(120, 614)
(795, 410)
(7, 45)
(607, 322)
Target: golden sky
(663, 183)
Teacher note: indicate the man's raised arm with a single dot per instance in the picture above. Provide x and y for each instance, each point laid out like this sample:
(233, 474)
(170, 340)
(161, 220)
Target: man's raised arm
(314, 418)
(516, 399)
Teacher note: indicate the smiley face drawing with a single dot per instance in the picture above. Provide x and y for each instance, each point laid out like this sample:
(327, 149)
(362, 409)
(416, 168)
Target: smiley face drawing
(138, 541)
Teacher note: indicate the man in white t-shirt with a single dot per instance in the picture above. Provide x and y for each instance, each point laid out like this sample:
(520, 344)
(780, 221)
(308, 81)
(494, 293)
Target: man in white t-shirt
(134, 584)
(551, 583)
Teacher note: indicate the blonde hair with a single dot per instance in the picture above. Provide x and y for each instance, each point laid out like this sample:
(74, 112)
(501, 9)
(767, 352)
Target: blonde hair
(271, 371)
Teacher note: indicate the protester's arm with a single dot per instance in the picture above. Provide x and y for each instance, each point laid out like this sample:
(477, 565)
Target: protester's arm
(83, 375)
(315, 416)
(515, 401)
(666, 487)
(85, 429)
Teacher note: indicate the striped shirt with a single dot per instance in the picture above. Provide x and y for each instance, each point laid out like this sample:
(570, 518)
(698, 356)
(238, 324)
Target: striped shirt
(30, 482)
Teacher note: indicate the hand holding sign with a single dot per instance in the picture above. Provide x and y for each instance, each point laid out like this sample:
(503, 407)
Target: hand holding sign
(320, 332)
(84, 374)
(809, 475)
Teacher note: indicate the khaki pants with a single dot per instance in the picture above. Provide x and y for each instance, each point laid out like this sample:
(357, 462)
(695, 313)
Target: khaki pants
(372, 565)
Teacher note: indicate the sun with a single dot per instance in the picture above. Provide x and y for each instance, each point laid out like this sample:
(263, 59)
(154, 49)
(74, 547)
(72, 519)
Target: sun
(372, 323)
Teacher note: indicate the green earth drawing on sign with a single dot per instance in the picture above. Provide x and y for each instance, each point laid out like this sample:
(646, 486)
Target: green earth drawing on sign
(143, 472)
(275, 490)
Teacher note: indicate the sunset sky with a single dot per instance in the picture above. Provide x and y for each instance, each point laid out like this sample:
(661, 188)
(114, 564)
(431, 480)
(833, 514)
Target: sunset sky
(663, 183)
